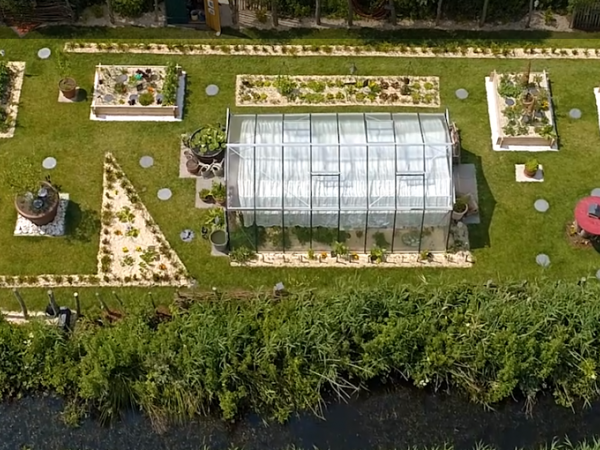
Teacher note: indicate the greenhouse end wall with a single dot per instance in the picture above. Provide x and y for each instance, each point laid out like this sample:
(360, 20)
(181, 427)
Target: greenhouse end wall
(307, 181)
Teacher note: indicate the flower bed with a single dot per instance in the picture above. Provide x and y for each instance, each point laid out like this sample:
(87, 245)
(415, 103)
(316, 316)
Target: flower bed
(132, 245)
(261, 90)
(148, 92)
(521, 115)
(11, 81)
(384, 49)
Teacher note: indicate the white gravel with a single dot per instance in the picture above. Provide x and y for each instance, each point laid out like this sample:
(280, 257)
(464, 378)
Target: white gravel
(25, 227)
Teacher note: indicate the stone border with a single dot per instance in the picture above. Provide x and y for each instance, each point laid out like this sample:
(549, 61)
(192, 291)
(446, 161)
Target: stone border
(330, 92)
(15, 94)
(461, 259)
(450, 51)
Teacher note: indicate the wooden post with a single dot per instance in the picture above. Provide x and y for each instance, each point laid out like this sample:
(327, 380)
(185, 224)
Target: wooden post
(156, 11)
(530, 15)
(318, 12)
(392, 8)
(118, 300)
(21, 303)
(484, 12)
(111, 14)
(350, 13)
(274, 13)
(438, 16)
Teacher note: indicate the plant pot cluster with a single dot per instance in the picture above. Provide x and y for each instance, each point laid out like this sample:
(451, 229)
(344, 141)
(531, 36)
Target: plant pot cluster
(217, 194)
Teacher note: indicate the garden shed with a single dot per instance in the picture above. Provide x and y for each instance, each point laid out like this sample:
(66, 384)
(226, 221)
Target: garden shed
(305, 181)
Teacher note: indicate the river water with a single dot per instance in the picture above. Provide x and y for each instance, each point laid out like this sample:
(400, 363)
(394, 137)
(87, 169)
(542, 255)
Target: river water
(385, 419)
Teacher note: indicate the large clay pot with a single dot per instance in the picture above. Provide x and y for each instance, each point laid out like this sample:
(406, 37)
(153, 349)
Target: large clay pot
(68, 87)
(207, 157)
(47, 212)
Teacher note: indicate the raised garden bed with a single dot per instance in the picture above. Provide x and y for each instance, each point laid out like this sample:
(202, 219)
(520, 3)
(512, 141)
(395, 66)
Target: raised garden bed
(264, 90)
(145, 93)
(11, 81)
(521, 114)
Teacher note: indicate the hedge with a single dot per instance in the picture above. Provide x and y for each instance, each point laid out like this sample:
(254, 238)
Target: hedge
(231, 356)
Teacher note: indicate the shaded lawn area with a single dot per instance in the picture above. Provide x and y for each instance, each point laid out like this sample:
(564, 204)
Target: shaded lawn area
(512, 233)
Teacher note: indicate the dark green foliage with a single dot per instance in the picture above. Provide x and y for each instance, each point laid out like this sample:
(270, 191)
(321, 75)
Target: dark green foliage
(131, 8)
(146, 99)
(276, 357)
(170, 85)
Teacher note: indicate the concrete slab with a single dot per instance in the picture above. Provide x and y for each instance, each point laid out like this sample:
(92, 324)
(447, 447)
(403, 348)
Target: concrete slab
(465, 182)
(79, 97)
(521, 178)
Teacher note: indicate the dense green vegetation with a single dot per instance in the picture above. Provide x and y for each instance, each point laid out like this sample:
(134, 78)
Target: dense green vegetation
(228, 356)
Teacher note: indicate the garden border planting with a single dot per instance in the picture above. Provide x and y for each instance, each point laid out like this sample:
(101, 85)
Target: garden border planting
(383, 50)
(521, 112)
(335, 90)
(11, 104)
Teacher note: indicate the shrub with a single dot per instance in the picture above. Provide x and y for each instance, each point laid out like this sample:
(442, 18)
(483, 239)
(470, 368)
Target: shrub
(146, 99)
(131, 8)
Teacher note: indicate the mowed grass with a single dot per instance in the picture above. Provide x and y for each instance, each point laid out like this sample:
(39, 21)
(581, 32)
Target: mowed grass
(512, 233)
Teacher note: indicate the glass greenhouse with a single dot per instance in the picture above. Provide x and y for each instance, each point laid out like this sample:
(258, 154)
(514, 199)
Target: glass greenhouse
(302, 181)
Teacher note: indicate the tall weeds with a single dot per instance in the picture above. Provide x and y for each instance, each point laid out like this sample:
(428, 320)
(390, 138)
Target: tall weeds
(230, 356)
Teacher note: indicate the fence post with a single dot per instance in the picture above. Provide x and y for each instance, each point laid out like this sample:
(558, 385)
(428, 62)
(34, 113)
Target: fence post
(21, 303)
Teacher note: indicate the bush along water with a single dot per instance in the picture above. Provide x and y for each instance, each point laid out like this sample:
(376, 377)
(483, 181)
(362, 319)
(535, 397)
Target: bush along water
(230, 356)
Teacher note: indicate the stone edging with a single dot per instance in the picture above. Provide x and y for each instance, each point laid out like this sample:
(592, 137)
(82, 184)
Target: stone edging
(15, 94)
(461, 259)
(492, 52)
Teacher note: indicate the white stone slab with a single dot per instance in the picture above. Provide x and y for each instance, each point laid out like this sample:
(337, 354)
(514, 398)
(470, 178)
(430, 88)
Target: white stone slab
(166, 118)
(57, 227)
(521, 178)
(493, 115)
(597, 95)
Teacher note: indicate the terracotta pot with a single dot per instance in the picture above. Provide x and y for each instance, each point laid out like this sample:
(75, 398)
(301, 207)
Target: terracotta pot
(68, 87)
(208, 199)
(529, 174)
(192, 166)
(41, 218)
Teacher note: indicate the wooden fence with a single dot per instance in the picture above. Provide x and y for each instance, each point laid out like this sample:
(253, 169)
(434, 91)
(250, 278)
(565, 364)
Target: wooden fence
(586, 17)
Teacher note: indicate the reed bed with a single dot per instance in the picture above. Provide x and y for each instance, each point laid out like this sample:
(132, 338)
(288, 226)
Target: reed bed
(229, 356)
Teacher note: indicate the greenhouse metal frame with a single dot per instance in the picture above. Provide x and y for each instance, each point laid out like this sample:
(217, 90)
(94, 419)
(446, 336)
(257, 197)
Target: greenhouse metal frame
(306, 181)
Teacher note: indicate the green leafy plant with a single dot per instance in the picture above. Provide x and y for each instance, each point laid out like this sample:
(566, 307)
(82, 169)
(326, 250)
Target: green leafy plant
(380, 240)
(214, 218)
(531, 167)
(170, 85)
(242, 255)
(461, 204)
(340, 249)
(286, 87)
(209, 139)
(377, 254)
(131, 8)
(146, 99)
(125, 215)
(219, 191)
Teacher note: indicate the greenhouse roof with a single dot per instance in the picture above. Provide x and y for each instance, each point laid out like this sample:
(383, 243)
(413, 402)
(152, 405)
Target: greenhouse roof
(334, 162)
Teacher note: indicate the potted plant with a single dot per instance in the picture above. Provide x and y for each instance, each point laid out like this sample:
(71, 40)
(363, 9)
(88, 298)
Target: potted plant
(206, 196)
(193, 166)
(219, 192)
(35, 199)
(377, 255)
(531, 168)
(215, 219)
(339, 249)
(67, 85)
(460, 208)
(208, 143)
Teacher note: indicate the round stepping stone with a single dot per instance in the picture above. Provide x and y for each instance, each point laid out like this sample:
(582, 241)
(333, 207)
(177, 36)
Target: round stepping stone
(541, 205)
(44, 53)
(212, 90)
(108, 98)
(462, 94)
(146, 161)
(122, 78)
(49, 163)
(187, 235)
(575, 113)
(509, 102)
(595, 192)
(542, 260)
(164, 194)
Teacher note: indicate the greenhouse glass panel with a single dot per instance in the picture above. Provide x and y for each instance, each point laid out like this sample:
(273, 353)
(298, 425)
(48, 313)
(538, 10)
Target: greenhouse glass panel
(318, 178)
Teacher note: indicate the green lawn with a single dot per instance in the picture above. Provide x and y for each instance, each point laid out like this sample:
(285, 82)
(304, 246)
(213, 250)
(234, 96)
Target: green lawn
(505, 244)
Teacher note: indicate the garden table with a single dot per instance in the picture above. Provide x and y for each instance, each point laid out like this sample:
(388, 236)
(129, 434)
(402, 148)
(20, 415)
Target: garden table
(589, 225)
